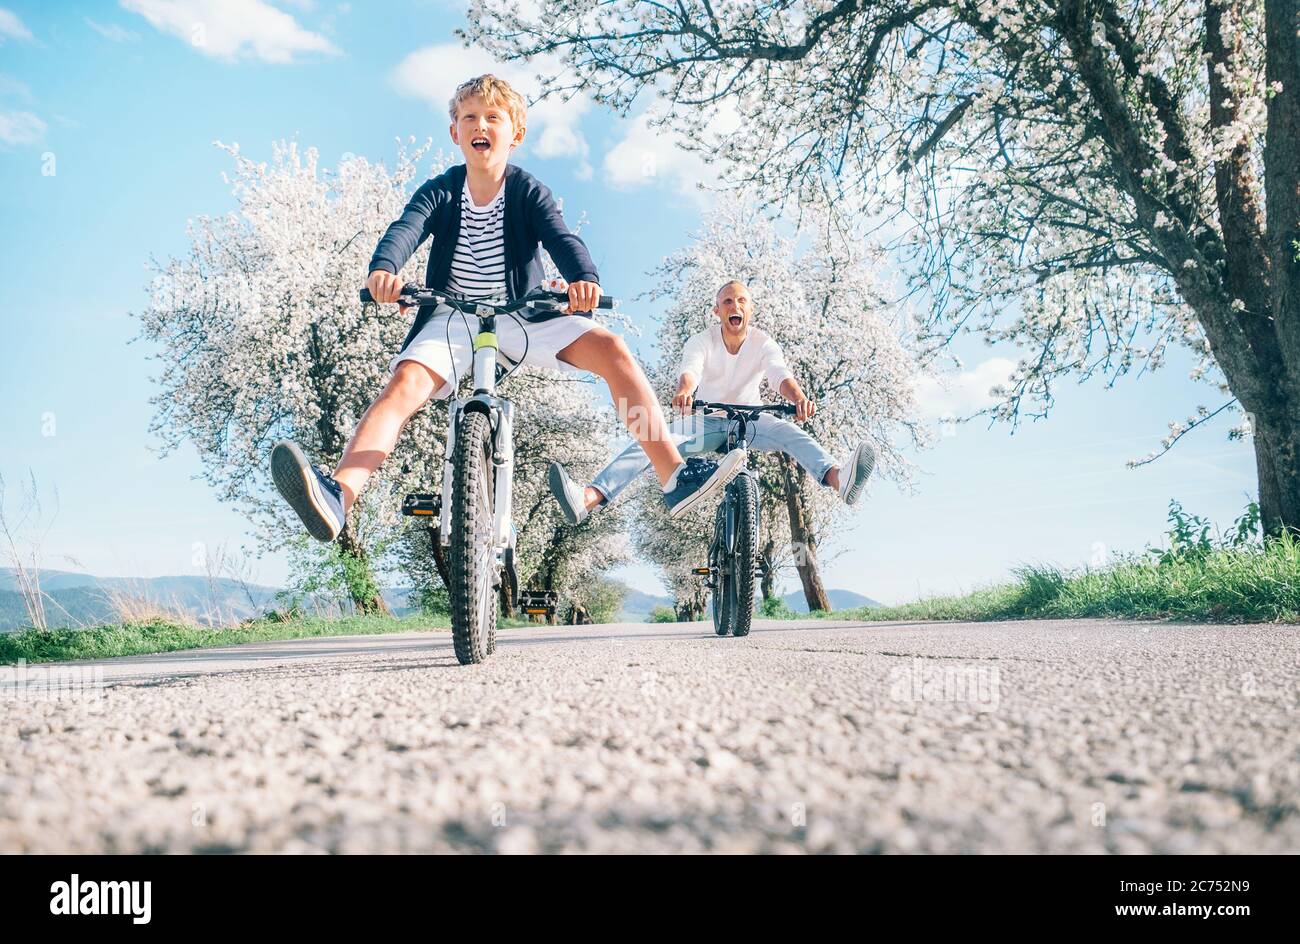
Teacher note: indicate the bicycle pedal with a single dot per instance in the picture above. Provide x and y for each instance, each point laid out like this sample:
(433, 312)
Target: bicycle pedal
(422, 505)
(702, 571)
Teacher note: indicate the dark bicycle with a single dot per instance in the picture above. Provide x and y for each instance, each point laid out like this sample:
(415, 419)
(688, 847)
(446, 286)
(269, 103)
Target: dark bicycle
(478, 472)
(733, 552)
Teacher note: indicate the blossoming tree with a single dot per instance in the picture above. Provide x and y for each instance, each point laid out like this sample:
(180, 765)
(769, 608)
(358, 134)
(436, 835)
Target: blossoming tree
(816, 294)
(1095, 180)
(261, 336)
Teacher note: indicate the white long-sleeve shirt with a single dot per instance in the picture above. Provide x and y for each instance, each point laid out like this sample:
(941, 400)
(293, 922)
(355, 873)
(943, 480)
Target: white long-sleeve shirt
(724, 377)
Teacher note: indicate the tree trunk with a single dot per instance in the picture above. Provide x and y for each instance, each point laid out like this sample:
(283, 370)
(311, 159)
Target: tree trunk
(767, 569)
(1282, 184)
(690, 605)
(548, 584)
(803, 543)
(1277, 464)
(359, 575)
(440, 556)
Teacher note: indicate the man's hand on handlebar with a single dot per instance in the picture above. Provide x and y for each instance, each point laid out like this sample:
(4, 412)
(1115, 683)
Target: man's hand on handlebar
(804, 409)
(682, 401)
(384, 286)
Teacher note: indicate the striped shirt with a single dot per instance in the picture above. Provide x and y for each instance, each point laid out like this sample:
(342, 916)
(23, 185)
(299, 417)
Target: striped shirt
(478, 265)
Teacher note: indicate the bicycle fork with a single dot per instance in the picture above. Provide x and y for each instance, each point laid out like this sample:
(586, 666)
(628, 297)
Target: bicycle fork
(500, 414)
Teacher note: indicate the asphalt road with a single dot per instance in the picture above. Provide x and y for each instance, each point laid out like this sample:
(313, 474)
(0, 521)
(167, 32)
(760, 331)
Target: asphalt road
(1070, 736)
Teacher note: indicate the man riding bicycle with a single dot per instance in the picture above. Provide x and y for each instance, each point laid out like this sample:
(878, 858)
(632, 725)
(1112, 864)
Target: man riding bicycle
(725, 363)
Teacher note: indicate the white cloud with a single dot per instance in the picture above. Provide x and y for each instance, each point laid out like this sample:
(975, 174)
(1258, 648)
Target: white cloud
(232, 29)
(20, 127)
(432, 74)
(15, 88)
(12, 27)
(653, 156)
(113, 32)
(963, 393)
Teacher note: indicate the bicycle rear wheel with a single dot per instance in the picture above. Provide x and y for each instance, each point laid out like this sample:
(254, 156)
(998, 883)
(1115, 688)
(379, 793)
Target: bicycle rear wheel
(744, 504)
(472, 560)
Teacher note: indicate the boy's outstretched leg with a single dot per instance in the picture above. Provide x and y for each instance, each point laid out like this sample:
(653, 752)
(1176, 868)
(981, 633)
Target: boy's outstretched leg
(685, 484)
(316, 497)
(323, 501)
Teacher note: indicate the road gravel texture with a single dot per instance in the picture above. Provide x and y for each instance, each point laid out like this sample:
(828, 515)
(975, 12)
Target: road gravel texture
(1046, 736)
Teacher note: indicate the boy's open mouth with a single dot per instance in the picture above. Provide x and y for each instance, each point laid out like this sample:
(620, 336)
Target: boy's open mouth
(480, 144)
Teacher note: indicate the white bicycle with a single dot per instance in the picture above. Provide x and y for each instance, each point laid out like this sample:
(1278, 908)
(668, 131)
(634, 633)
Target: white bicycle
(478, 472)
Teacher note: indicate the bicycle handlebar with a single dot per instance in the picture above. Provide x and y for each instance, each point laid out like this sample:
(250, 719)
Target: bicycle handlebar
(732, 408)
(538, 298)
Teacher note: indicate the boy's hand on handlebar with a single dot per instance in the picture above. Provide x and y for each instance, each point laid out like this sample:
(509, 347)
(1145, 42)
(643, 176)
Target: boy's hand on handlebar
(384, 286)
(583, 296)
(804, 409)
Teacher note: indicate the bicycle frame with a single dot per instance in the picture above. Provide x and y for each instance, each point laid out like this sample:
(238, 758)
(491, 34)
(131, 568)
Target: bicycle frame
(739, 417)
(500, 413)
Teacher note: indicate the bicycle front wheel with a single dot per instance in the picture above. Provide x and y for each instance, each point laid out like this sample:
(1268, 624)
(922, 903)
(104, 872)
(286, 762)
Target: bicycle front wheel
(473, 564)
(721, 581)
(744, 503)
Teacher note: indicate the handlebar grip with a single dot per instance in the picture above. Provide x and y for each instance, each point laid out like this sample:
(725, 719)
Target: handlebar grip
(410, 288)
(607, 301)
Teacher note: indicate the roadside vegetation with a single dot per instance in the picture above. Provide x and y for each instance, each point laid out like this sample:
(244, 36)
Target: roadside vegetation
(163, 635)
(1231, 576)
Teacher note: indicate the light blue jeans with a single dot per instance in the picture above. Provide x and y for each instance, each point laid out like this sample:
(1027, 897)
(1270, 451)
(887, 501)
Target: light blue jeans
(698, 434)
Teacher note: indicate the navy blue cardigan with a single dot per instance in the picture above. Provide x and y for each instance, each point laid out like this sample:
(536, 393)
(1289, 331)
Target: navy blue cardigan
(532, 220)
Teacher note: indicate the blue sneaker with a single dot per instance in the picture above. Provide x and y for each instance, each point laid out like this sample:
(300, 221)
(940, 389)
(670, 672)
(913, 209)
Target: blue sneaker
(701, 479)
(316, 497)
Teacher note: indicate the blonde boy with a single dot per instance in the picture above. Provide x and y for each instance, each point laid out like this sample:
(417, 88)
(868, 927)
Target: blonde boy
(488, 221)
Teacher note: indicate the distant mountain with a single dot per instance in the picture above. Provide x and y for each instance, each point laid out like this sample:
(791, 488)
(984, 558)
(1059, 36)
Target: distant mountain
(840, 600)
(82, 599)
(637, 606)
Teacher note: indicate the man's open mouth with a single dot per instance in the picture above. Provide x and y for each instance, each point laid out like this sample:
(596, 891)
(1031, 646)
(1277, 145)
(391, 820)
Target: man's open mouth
(480, 144)
(735, 321)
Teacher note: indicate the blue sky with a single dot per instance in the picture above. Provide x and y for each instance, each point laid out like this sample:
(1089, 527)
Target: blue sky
(122, 103)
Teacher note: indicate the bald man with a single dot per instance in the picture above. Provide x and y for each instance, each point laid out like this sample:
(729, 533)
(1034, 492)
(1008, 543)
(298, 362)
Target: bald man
(725, 363)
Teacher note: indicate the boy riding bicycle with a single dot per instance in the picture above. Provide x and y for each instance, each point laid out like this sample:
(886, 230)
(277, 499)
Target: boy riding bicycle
(725, 363)
(489, 221)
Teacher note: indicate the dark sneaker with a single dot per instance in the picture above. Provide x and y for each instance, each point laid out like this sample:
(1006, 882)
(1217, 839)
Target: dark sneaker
(855, 472)
(701, 479)
(570, 495)
(316, 497)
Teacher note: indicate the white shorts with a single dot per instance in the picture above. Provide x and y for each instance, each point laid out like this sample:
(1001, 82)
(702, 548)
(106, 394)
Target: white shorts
(445, 344)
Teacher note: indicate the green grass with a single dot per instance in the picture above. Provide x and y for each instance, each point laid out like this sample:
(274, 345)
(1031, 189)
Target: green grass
(1247, 584)
(101, 642)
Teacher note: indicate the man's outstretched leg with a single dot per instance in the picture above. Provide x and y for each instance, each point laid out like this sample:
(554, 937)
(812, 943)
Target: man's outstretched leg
(848, 480)
(851, 480)
(693, 435)
(323, 501)
(685, 484)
